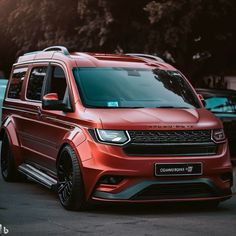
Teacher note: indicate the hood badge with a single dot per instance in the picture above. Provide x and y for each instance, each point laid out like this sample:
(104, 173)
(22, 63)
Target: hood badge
(170, 126)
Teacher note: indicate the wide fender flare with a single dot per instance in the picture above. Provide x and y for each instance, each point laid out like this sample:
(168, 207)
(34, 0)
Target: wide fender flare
(8, 127)
(77, 140)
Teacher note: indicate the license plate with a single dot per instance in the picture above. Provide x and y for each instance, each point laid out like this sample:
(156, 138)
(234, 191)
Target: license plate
(178, 169)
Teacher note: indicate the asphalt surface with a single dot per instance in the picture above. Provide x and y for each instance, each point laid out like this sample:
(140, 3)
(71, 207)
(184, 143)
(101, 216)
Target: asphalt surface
(27, 208)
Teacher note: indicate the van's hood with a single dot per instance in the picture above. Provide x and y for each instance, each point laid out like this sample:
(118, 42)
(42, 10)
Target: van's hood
(155, 118)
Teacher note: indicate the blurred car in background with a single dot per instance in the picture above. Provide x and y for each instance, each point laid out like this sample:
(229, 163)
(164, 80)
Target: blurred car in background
(3, 85)
(223, 104)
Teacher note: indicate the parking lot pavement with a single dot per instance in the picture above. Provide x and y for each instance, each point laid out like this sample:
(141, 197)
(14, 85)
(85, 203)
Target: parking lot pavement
(29, 209)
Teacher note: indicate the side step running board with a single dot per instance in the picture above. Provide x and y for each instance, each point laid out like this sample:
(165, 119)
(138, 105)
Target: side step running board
(38, 176)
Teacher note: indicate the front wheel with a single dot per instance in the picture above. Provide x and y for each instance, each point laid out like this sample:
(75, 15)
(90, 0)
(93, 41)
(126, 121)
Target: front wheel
(8, 168)
(71, 191)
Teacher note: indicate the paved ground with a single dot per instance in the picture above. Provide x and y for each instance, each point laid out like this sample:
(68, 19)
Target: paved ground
(29, 209)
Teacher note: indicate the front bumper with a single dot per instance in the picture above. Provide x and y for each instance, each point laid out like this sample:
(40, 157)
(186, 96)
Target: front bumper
(185, 190)
(137, 174)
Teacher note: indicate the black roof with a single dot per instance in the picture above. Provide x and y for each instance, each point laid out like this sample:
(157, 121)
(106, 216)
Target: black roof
(216, 92)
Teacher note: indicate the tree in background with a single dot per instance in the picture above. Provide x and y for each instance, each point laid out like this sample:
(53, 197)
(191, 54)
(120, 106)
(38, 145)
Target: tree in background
(196, 35)
(200, 34)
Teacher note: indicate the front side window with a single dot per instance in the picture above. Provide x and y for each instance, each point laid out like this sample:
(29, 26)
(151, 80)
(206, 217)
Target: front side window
(134, 88)
(57, 83)
(35, 84)
(221, 104)
(16, 83)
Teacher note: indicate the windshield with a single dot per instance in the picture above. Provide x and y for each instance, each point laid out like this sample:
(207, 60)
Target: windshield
(223, 104)
(133, 88)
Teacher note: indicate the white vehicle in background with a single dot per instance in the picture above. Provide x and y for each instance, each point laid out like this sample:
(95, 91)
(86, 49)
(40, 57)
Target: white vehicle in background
(3, 85)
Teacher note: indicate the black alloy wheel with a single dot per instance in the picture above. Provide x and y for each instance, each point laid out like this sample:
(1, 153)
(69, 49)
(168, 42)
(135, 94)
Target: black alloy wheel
(70, 183)
(8, 168)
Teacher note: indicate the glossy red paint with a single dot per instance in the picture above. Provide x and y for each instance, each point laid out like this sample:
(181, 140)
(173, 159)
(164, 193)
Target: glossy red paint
(37, 135)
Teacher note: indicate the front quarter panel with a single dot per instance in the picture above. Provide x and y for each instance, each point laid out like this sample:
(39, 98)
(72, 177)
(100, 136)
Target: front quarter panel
(76, 139)
(8, 127)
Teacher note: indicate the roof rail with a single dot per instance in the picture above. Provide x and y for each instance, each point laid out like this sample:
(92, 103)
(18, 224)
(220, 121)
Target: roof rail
(31, 53)
(62, 49)
(146, 56)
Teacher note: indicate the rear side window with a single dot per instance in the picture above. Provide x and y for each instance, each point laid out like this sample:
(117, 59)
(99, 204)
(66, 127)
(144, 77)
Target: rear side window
(35, 84)
(16, 83)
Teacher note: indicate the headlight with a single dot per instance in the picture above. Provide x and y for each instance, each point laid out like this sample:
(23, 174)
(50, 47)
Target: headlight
(218, 135)
(113, 136)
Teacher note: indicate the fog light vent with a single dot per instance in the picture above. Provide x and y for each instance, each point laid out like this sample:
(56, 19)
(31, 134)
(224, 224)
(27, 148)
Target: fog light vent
(110, 180)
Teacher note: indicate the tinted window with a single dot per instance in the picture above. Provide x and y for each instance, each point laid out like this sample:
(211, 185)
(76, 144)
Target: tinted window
(221, 104)
(2, 91)
(35, 84)
(134, 87)
(3, 85)
(58, 82)
(16, 83)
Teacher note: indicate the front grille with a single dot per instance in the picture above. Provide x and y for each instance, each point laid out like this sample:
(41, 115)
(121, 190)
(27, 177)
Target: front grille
(171, 150)
(174, 191)
(170, 143)
(163, 136)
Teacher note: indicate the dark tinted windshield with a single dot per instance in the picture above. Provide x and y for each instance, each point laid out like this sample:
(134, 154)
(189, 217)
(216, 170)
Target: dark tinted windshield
(221, 104)
(133, 88)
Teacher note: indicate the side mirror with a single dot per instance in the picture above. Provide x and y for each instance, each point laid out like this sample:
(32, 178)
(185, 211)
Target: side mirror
(52, 102)
(202, 99)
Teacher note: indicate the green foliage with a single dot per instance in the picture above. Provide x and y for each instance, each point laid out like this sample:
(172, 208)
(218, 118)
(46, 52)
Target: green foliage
(174, 29)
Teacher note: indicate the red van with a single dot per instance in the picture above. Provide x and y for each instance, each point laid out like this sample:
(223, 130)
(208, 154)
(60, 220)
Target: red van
(111, 128)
